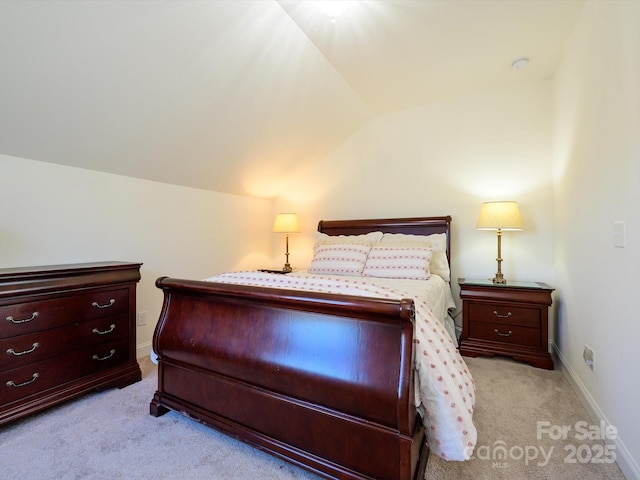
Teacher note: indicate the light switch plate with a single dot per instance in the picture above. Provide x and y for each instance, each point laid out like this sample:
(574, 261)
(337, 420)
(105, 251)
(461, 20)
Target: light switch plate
(619, 237)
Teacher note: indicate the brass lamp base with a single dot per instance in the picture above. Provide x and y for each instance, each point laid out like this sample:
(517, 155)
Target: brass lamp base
(499, 279)
(287, 267)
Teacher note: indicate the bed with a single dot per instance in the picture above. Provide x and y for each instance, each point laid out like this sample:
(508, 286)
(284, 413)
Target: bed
(326, 371)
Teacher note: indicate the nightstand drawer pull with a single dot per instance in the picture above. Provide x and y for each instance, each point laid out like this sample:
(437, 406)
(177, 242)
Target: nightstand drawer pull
(11, 383)
(13, 320)
(11, 351)
(503, 334)
(101, 359)
(502, 316)
(111, 302)
(104, 332)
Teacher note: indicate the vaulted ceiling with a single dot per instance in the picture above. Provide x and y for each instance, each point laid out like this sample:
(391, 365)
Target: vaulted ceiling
(235, 96)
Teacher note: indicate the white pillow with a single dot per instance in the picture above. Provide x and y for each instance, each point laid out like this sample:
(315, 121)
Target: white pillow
(437, 242)
(398, 262)
(339, 259)
(370, 238)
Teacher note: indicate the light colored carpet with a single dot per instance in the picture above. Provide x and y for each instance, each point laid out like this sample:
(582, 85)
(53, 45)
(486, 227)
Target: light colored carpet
(110, 435)
(511, 398)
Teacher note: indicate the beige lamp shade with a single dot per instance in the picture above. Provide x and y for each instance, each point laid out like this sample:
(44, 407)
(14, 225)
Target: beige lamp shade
(286, 223)
(499, 216)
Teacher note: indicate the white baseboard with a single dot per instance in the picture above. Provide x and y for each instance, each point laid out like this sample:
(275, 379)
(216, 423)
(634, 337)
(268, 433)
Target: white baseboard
(143, 350)
(626, 462)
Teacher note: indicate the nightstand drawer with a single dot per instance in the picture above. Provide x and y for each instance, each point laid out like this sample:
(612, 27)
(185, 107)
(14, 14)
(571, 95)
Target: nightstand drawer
(504, 314)
(498, 332)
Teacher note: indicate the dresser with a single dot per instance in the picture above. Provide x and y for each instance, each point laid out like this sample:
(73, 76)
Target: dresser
(506, 319)
(65, 330)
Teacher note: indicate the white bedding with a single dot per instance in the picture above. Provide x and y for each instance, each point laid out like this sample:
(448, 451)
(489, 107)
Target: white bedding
(445, 390)
(436, 292)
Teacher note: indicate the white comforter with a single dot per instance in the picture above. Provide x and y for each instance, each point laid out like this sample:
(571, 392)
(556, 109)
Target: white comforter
(445, 390)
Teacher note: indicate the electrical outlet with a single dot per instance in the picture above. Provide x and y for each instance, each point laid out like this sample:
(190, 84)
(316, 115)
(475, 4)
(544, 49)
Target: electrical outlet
(589, 357)
(141, 319)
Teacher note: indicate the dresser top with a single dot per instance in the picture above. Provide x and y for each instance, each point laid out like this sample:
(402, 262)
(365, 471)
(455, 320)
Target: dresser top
(6, 273)
(49, 278)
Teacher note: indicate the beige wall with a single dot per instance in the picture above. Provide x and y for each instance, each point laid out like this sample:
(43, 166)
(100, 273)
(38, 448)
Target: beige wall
(568, 151)
(55, 214)
(597, 183)
(445, 159)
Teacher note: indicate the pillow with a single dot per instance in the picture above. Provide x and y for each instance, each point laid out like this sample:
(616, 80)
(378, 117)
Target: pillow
(366, 239)
(339, 259)
(398, 262)
(437, 242)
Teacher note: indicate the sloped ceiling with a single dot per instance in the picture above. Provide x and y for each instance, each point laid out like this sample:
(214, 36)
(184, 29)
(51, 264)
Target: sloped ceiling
(235, 96)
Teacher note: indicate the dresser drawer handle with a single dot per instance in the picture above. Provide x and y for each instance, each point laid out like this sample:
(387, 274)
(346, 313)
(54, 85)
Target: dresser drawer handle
(111, 329)
(11, 351)
(101, 359)
(502, 316)
(11, 383)
(111, 302)
(13, 320)
(503, 334)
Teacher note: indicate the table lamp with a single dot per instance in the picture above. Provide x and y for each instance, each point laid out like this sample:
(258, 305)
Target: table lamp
(499, 216)
(286, 223)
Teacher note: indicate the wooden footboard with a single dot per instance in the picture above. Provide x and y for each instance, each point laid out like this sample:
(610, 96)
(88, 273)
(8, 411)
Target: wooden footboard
(323, 381)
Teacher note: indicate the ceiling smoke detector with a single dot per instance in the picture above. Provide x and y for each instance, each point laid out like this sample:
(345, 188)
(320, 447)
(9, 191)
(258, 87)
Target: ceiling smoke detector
(520, 63)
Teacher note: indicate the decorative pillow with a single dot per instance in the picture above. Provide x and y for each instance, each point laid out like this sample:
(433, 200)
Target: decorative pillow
(398, 262)
(437, 242)
(370, 238)
(339, 259)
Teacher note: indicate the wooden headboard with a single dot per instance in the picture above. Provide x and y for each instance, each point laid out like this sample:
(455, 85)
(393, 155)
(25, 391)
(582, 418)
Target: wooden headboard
(412, 226)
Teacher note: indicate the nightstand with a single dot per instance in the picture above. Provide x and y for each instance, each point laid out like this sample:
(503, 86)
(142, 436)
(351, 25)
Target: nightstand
(510, 320)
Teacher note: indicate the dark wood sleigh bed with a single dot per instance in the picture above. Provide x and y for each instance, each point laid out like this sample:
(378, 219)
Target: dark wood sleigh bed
(237, 358)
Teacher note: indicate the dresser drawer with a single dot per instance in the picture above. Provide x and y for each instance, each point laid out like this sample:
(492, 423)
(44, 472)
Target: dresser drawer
(498, 332)
(104, 304)
(23, 318)
(36, 378)
(23, 350)
(504, 314)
